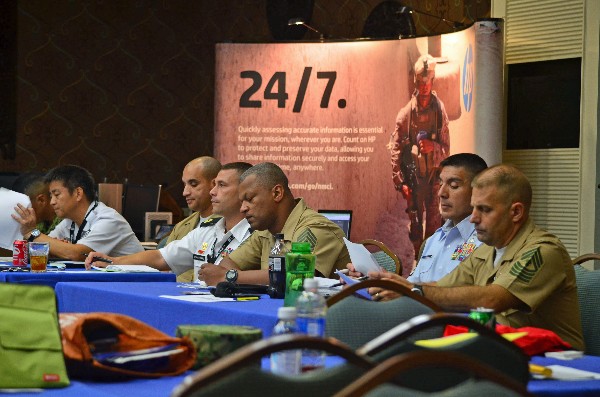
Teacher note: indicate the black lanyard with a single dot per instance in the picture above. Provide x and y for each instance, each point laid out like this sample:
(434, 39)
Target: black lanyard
(212, 258)
(72, 232)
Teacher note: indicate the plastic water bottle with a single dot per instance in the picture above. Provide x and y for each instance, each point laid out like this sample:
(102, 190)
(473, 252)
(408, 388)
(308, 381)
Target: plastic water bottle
(286, 362)
(277, 268)
(311, 308)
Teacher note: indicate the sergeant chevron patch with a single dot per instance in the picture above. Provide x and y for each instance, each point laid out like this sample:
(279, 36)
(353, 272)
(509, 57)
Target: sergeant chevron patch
(527, 266)
(308, 236)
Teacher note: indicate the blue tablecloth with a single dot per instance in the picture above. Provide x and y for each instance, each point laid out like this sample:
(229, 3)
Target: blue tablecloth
(74, 275)
(162, 387)
(142, 301)
(579, 388)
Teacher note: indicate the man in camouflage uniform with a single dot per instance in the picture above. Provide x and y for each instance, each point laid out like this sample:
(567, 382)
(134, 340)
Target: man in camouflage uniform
(419, 143)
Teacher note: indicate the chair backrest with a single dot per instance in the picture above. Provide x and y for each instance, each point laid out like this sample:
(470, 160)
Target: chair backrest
(486, 346)
(482, 379)
(355, 320)
(139, 199)
(383, 255)
(239, 373)
(588, 294)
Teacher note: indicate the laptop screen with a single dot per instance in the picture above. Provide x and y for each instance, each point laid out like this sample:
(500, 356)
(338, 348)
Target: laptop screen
(343, 218)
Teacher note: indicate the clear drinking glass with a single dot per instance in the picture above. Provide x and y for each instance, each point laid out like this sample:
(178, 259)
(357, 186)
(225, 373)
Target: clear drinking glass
(38, 256)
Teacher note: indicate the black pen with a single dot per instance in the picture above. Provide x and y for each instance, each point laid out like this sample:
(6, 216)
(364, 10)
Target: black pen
(98, 259)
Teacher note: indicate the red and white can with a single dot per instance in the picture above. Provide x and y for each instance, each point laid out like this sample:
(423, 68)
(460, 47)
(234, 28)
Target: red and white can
(20, 253)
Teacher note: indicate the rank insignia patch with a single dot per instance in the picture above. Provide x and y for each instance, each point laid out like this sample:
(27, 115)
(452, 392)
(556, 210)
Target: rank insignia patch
(527, 266)
(308, 236)
(203, 248)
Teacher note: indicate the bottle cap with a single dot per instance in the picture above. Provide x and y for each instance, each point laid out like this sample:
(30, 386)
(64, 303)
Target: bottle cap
(301, 247)
(286, 313)
(310, 283)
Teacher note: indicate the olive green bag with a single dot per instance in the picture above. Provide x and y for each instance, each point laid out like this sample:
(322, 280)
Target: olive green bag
(31, 354)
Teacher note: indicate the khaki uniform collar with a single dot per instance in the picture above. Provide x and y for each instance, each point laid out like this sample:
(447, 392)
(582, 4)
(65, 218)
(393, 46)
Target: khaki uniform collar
(292, 221)
(484, 251)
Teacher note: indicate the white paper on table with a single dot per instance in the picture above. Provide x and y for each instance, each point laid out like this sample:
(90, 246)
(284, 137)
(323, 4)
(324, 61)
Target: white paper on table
(127, 268)
(198, 298)
(11, 229)
(361, 258)
(561, 372)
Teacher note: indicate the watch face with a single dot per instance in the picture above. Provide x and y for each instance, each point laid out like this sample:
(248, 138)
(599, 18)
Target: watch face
(231, 275)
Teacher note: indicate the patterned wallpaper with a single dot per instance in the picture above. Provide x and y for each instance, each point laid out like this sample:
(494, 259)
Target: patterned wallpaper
(125, 88)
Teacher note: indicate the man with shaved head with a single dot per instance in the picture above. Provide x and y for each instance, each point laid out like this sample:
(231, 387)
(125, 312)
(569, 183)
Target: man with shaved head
(521, 272)
(198, 179)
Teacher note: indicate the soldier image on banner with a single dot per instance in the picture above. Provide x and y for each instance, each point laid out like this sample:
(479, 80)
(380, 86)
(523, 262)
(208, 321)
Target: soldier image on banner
(420, 141)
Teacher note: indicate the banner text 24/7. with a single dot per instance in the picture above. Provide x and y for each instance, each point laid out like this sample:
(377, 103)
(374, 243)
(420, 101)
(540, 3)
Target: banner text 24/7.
(280, 94)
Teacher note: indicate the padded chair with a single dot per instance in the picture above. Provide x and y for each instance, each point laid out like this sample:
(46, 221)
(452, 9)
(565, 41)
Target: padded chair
(588, 292)
(355, 320)
(485, 346)
(481, 379)
(383, 255)
(239, 373)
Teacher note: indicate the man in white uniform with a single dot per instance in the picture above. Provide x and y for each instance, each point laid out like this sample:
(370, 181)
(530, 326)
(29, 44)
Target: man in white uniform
(88, 225)
(213, 240)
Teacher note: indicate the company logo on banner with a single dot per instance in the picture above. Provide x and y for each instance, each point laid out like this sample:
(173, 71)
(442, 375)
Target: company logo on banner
(351, 124)
(468, 79)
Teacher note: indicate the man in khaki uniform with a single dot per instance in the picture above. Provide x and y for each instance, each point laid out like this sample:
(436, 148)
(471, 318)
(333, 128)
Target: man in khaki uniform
(270, 208)
(522, 272)
(198, 179)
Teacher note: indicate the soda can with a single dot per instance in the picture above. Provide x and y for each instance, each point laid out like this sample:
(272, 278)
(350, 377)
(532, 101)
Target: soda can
(484, 316)
(20, 253)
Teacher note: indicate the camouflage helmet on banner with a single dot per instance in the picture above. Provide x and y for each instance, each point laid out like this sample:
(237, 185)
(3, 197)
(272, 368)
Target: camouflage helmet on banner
(425, 68)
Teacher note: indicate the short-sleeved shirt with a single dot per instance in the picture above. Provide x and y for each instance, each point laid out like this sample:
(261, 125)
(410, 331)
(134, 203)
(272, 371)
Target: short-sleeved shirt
(302, 225)
(105, 230)
(444, 251)
(536, 269)
(209, 242)
(182, 228)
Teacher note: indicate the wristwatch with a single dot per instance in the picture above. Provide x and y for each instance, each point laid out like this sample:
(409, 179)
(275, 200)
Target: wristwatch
(418, 289)
(35, 233)
(231, 275)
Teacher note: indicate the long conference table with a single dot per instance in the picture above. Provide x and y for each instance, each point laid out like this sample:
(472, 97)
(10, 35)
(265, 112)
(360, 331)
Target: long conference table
(51, 278)
(143, 301)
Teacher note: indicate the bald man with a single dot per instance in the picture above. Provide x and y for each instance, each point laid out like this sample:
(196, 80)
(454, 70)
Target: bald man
(198, 179)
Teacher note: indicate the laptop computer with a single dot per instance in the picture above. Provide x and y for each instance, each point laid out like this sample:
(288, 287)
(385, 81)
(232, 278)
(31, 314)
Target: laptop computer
(343, 218)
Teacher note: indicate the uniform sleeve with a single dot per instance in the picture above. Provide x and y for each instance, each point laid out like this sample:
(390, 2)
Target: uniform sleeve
(535, 274)
(398, 140)
(104, 236)
(178, 254)
(328, 247)
(441, 147)
(248, 255)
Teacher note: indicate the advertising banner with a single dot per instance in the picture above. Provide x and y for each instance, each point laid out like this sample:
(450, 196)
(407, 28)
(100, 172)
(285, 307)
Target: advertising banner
(353, 124)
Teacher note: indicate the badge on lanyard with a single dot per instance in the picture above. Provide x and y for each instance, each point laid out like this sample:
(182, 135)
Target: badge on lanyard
(462, 251)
